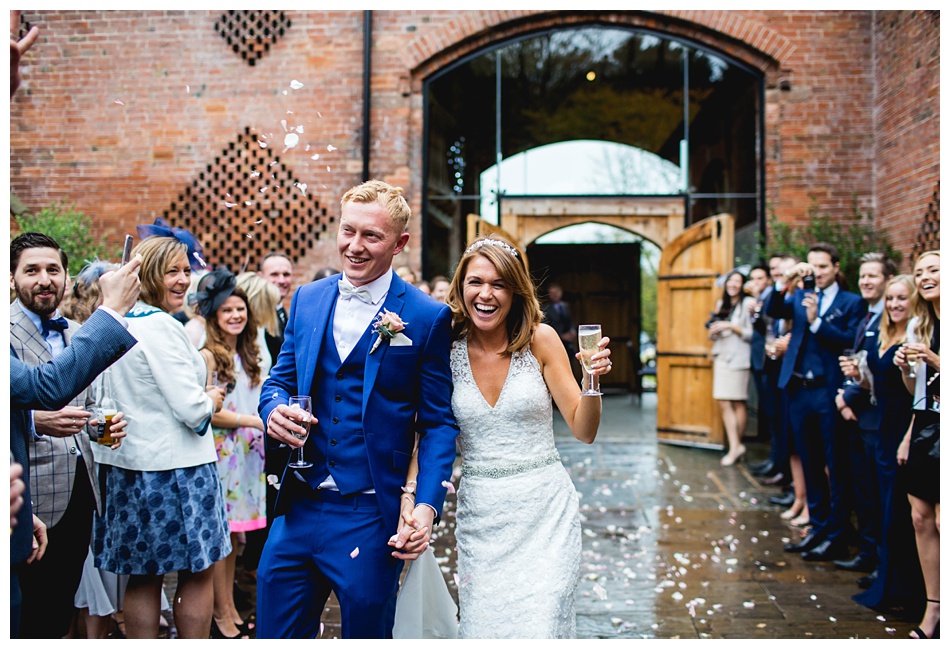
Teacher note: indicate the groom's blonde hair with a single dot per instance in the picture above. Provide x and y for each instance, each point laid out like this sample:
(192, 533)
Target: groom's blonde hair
(525, 314)
(390, 197)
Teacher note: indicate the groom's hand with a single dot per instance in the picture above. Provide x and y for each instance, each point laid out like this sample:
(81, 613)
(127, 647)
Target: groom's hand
(282, 426)
(414, 534)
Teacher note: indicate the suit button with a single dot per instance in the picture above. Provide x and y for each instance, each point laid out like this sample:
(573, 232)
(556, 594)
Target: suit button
(72, 450)
(336, 420)
(332, 464)
(339, 376)
(338, 398)
(332, 442)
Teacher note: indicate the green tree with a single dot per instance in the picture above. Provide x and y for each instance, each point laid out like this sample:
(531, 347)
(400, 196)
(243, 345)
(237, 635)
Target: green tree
(72, 231)
(853, 237)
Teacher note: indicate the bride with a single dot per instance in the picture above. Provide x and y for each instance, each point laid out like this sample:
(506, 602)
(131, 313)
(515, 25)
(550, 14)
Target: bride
(518, 528)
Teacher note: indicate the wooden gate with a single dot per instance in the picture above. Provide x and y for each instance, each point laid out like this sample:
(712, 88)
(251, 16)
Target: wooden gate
(686, 293)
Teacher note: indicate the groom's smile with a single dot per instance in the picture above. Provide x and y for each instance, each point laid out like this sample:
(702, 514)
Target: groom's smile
(367, 241)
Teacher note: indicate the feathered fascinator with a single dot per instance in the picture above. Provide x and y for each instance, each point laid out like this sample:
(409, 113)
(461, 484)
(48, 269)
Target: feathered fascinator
(161, 228)
(213, 289)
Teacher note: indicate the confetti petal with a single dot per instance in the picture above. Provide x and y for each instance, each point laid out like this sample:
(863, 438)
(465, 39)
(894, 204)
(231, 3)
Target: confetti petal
(229, 205)
(449, 486)
(291, 140)
(315, 156)
(330, 147)
(355, 553)
(119, 102)
(296, 85)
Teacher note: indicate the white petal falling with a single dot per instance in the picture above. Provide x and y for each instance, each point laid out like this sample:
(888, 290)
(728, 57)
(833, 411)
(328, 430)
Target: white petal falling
(283, 123)
(188, 89)
(445, 483)
(248, 203)
(291, 140)
(263, 144)
(302, 187)
(355, 553)
(229, 205)
(296, 85)
(299, 128)
(255, 174)
(330, 147)
(119, 103)
(315, 156)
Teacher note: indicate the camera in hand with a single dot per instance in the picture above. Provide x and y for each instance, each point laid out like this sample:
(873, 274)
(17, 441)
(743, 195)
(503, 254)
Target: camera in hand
(713, 318)
(808, 282)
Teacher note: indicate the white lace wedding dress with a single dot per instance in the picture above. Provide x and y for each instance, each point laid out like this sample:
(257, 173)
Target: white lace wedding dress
(518, 528)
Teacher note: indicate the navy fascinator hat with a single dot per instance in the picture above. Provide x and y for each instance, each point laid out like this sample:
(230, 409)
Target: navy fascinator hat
(213, 289)
(162, 228)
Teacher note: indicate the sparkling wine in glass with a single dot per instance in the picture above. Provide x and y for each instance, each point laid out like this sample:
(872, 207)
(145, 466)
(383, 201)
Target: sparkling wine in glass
(848, 354)
(910, 354)
(106, 409)
(588, 336)
(301, 414)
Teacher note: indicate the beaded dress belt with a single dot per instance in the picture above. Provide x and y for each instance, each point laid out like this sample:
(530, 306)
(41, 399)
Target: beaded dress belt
(505, 470)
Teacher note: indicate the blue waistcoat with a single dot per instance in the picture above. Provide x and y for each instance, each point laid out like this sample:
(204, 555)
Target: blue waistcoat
(337, 394)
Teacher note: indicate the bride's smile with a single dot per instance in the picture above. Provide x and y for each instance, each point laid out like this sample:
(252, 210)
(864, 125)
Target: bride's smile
(487, 298)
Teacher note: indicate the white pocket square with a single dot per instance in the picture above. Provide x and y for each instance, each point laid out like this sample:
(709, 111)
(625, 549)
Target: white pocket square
(401, 340)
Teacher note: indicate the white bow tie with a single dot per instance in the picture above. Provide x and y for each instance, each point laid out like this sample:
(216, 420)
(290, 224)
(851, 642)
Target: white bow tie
(360, 293)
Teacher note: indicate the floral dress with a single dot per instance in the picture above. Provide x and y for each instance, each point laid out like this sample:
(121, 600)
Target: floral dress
(241, 458)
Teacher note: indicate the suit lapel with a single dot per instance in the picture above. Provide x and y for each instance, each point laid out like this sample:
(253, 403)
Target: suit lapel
(394, 302)
(24, 331)
(322, 305)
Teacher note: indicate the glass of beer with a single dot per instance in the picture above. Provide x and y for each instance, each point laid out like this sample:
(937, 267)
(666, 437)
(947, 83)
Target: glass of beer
(301, 414)
(588, 335)
(105, 408)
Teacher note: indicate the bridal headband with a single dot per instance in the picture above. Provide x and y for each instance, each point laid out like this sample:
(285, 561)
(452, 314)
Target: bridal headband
(491, 242)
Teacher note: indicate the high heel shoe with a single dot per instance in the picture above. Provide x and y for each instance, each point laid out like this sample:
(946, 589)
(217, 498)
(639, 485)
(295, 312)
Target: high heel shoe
(920, 635)
(793, 511)
(729, 459)
(217, 634)
(801, 521)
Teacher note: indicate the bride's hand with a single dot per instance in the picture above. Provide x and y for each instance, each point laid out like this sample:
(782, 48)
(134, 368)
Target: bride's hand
(413, 537)
(600, 362)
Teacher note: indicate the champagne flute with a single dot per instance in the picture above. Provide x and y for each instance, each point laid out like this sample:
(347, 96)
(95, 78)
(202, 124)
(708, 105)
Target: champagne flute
(910, 354)
(301, 413)
(770, 345)
(848, 354)
(588, 336)
(212, 378)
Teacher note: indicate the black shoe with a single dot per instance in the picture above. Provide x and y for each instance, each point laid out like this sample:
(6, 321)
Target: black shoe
(859, 563)
(763, 467)
(808, 543)
(826, 551)
(865, 582)
(786, 500)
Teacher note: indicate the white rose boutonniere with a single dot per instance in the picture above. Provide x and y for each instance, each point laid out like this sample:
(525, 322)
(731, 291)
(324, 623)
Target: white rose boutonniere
(388, 326)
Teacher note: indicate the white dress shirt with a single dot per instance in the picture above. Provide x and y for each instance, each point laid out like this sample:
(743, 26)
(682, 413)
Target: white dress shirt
(353, 316)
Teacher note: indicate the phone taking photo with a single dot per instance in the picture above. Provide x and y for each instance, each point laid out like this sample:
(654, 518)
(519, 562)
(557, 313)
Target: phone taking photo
(127, 250)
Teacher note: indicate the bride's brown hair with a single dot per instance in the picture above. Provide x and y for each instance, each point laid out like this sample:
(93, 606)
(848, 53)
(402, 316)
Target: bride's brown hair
(525, 314)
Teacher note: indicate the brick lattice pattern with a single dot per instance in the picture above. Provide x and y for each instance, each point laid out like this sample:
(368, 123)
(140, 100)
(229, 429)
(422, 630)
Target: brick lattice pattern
(251, 33)
(247, 203)
(929, 236)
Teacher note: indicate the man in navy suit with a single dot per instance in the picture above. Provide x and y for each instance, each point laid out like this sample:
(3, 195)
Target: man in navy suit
(102, 340)
(862, 421)
(339, 521)
(824, 321)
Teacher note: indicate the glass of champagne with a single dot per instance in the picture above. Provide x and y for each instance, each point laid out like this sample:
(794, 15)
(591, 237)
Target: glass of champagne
(770, 346)
(301, 414)
(910, 354)
(588, 336)
(847, 354)
(106, 409)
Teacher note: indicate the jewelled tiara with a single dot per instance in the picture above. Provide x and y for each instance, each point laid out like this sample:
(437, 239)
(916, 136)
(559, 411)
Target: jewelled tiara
(491, 242)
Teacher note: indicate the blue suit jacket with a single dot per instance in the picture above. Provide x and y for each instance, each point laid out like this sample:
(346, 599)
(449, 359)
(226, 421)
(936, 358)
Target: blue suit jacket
(406, 390)
(98, 344)
(837, 330)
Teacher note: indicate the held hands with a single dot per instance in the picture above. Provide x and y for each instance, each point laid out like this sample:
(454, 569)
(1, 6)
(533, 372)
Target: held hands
(120, 288)
(846, 413)
(60, 423)
(281, 423)
(415, 532)
(600, 362)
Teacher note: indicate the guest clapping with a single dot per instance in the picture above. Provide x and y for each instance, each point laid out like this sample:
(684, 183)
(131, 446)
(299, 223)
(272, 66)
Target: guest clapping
(164, 508)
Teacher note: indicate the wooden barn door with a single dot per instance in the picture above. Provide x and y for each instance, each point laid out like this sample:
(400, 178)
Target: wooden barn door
(686, 412)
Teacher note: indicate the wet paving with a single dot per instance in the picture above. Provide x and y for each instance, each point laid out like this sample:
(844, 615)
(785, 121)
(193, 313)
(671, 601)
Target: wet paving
(676, 546)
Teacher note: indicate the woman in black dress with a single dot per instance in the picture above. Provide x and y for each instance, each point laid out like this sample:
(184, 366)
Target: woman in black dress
(916, 451)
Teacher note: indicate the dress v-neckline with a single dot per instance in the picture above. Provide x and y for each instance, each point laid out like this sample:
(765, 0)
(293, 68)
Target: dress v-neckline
(471, 372)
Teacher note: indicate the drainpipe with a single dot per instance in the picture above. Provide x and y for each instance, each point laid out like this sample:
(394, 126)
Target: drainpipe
(367, 69)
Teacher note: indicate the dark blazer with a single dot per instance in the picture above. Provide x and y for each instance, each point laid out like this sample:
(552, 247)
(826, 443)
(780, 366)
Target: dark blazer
(760, 328)
(406, 390)
(100, 343)
(561, 322)
(856, 397)
(274, 342)
(837, 330)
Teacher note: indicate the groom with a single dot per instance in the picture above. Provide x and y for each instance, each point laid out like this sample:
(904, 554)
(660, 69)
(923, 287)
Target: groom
(335, 520)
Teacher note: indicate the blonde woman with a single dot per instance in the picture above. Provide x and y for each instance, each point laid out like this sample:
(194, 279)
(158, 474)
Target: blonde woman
(922, 470)
(263, 297)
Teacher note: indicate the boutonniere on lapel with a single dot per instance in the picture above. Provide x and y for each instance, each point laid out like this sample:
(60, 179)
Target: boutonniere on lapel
(835, 313)
(388, 326)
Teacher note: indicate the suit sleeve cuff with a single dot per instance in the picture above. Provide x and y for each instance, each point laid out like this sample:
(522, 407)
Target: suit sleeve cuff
(115, 315)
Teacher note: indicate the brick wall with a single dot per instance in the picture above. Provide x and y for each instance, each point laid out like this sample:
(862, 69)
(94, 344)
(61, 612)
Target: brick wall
(121, 112)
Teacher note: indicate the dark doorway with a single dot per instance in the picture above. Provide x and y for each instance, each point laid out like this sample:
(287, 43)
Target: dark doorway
(601, 283)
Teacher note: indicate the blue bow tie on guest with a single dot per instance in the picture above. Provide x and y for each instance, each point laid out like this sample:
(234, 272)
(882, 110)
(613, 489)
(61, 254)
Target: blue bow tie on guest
(55, 324)
(360, 293)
